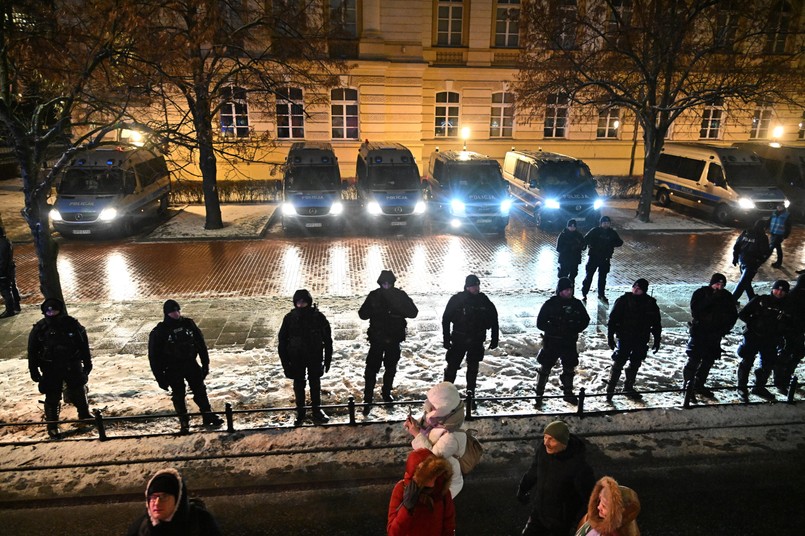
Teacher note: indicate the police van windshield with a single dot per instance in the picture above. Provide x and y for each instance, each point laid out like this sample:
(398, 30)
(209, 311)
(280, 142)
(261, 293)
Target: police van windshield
(312, 178)
(103, 181)
(751, 175)
(476, 177)
(394, 177)
(563, 174)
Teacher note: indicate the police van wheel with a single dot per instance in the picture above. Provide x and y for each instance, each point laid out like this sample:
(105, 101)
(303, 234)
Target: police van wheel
(722, 214)
(663, 197)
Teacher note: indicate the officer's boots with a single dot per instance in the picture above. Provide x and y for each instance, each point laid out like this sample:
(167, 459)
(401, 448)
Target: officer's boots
(542, 381)
(567, 387)
(79, 397)
(184, 419)
(52, 416)
(743, 380)
(388, 385)
(299, 396)
(628, 384)
(761, 377)
(614, 376)
(319, 417)
(368, 392)
(211, 419)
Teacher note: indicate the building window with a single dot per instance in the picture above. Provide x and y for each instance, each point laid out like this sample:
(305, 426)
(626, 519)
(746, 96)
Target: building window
(712, 117)
(501, 118)
(289, 17)
(344, 112)
(726, 24)
(778, 28)
(234, 113)
(344, 19)
(563, 32)
(556, 116)
(290, 113)
(760, 122)
(620, 18)
(609, 122)
(507, 24)
(449, 22)
(447, 103)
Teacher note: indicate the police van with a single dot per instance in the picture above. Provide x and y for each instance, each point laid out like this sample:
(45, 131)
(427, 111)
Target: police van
(311, 188)
(389, 186)
(786, 165)
(726, 182)
(552, 188)
(466, 189)
(110, 189)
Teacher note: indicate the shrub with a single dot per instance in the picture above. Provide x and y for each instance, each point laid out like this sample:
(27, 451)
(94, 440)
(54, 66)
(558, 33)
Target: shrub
(229, 191)
(619, 186)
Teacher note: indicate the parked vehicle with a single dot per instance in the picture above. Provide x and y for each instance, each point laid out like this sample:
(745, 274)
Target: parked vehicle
(110, 189)
(726, 182)
(552, 188)
(389, 186)
(786, 165)
(467, 189)
(311, 187)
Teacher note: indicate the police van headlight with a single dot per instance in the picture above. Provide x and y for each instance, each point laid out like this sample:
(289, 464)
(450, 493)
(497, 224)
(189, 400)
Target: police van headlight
(336, 208)
(108, 214)
(598, 204)
(419, 208)
(552, 203)
(373, 208)
(288, 209)
(455, 223)
(505, 206)
(458, 207)
(786, 203)
(746, 203)
(55, 215)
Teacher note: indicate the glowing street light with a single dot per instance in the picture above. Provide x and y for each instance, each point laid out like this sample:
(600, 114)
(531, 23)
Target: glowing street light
(465, 135)
(777, 132)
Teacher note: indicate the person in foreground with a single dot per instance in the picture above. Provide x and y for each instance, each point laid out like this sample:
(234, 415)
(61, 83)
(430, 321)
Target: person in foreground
(612, 511)
(421, 503)
(168, 511)
(563, 481)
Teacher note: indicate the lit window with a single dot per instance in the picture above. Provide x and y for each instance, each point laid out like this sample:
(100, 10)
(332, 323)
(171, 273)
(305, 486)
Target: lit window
(609, 122)
(712, 117)
(344, 112)
(507, 24)
(556, 116)
(760, 122)
(502, 115)
(450, 15)
(234, 113)
(290, 113)
(802, 127)
(447, 107)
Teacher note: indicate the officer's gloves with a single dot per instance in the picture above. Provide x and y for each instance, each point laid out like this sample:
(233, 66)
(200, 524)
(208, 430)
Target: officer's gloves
(611, 340)
(656, 346)
(446, 344)
(35, 376)
(494, 343)
(205, 370)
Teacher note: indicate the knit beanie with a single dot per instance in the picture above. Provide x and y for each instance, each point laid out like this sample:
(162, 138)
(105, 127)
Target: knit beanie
(302, 294)
(781, 284)
(559, 431)
(642, 284)
(386, 276)
(164, 483)
(51, 303)
(471, 281)
(718, 277)
(170, 306)
(562, 284)
(604, 219)
(571, 222)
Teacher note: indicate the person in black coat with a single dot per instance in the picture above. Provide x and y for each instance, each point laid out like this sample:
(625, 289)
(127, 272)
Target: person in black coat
(793, 350)
(305, 346)
(561, 318)
(713, 315)
(766, 321)
(751, 249)
(569, 245)
(8, 277)
(563, 480)
(58, 356)
(634, 317)
(386, 309)
(601, 241)
(470, 313)
(173, 346)
(169, 512)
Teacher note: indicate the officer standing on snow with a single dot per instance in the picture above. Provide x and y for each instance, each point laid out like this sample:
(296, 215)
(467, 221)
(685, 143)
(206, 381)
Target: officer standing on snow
(634, 317)
(58, 354)
(601, 241)
(471, 313)
(766, 321)
(569, 245)
(386, 309)
(794, 348)
(714, 314)
(173, 346)
(561, 318)
(8, 277)
(305, 347)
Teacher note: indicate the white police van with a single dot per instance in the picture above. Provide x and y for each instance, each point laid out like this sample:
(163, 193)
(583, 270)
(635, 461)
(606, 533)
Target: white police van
(726, 182)
(786, 165)
(109, 190)
(311, 188)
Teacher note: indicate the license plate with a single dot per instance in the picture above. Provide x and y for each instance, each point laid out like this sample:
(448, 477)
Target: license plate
(579, 219)
(82, 231)
(483, 220)
(399, 223)
(313, 225)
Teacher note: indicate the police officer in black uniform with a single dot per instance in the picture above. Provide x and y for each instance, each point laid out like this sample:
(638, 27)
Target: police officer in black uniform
(386, 309)
(173, 347)
(601, 241)
(470, 313)
(8, 277)
(561, 318)
(714, 314)
(58, 355)
(569, 244)
(766, 320)
(793, 350)
(634, 317)
(305, 347)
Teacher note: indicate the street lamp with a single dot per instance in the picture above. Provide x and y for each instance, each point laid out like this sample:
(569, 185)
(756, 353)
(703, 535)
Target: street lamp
(465, 135)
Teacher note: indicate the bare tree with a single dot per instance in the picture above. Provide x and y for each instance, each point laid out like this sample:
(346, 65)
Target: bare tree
(659, 58)
(210, 56)
(61, 88)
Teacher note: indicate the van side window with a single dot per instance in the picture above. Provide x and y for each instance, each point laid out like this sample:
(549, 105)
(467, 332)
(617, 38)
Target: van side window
(521, 170)
(690, 169)
(668, 164)
(715, 174)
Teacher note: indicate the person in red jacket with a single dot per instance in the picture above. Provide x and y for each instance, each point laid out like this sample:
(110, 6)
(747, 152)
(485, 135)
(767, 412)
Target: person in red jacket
(612, 511)
(421, 504)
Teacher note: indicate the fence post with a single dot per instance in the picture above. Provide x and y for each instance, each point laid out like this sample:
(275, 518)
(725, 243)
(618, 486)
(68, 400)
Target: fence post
(230, 418)
(792, 389)
(468, 405)
(582, 396)
(99, 424)
(351, 408)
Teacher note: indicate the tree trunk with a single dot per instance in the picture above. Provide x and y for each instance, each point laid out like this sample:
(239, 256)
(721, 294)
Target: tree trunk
(209, 168)
(653, 143)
